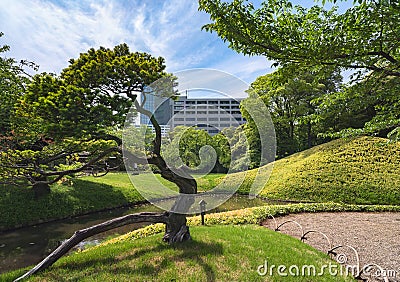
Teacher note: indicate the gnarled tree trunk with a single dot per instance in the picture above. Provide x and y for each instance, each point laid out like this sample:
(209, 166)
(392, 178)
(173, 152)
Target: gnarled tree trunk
(176, 229)
(40, 187)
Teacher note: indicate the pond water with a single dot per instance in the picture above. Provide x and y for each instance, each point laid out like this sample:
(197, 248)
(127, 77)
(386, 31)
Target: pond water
(27, 246)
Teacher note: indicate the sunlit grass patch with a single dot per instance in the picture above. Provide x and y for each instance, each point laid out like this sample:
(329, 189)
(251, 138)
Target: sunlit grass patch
(363, 170)
(216, 253)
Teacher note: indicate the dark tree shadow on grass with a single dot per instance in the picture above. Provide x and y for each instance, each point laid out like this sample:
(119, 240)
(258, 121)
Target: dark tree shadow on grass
(191, 250)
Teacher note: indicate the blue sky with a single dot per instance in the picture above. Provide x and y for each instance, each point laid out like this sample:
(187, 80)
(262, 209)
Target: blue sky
(50, 32)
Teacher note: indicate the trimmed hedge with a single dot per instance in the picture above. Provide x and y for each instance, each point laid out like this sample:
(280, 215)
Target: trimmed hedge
(255, 215)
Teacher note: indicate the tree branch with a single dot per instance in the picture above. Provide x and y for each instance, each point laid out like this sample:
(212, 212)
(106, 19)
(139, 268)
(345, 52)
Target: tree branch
(372, 67)
(384, 55)
(58, 156)
(106, 136)
(89, 163)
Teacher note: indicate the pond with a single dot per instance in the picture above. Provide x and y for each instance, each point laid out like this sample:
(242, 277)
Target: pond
(27, 246)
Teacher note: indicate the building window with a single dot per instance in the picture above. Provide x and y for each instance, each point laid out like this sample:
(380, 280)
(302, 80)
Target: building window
(213, 102)
(190, 102)
(202, 112)
(201, 102)
(178, 107)
(190, 119)
(213, 112)
(235, 112)
(225, 107)
(225, 102)
(179, 119)
(190, 112)
(179, 102)
(225, 125)
(201, 125)
(202, 119)
(213, 131)
(225, 119)
(202, 107)
(213, 119)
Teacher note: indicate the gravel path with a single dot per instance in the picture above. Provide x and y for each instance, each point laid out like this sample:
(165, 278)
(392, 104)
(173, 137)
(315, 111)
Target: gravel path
(375, 237)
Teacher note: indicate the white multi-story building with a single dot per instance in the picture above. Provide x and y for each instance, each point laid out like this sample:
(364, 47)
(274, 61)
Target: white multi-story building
(210, 114)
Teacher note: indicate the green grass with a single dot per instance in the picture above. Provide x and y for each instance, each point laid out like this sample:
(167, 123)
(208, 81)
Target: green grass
(210, 256)
(244, 244)
(148, 180)
(18, 207)
(121, 180)
(364, 170)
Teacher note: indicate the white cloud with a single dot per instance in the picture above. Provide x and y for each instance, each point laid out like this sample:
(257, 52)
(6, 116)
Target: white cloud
(50, 32)
(210, 80)
(50, 35)
(245, 67)
(172, 31)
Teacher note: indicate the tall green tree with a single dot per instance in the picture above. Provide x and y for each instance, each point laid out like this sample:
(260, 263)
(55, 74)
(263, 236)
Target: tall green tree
(222, 141)
(292, 98)
(193, 147)
(363, 39)
(368, 107)
(12, 85)
(104, 82)
(95, 92)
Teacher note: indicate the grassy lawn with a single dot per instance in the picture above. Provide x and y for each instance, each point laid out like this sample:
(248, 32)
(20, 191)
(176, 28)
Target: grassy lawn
(213, 255)
(87, 194)
(358, 171)
(122, 180)
(210, 256)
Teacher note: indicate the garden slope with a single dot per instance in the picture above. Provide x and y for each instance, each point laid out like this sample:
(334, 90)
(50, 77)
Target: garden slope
(363, 170)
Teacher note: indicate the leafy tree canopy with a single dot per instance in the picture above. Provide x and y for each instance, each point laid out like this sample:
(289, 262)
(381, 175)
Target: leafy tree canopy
(185, 147)
(369, 107)
(12, 85)
(292, 97)
(363, 39)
